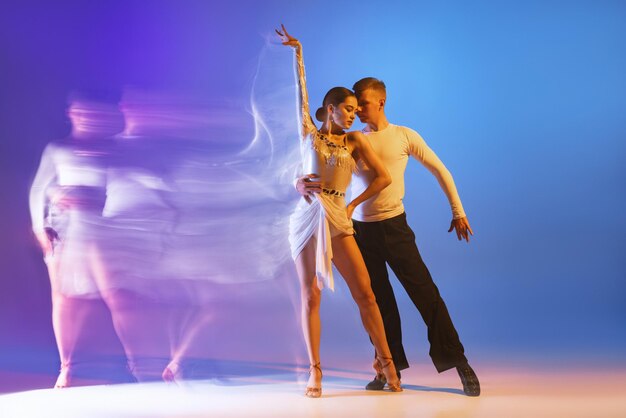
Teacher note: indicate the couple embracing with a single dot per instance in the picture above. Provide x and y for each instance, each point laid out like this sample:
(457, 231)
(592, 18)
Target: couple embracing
(371, 232)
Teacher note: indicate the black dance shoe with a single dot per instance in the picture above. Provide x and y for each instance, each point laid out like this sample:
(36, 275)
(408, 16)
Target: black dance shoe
(379, 382)
(471, 386)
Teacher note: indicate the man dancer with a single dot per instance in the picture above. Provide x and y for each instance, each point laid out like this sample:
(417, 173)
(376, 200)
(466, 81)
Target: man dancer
(384, 237)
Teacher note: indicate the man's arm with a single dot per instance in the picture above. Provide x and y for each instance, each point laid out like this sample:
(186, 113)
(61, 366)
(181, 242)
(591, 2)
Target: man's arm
(422, 152)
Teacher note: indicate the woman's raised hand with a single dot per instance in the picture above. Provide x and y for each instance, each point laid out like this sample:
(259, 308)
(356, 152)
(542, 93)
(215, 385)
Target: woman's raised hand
(286, 38)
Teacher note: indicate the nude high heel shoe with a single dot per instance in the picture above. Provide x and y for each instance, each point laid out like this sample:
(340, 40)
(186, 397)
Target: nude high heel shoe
(384, 363)
(313, 392)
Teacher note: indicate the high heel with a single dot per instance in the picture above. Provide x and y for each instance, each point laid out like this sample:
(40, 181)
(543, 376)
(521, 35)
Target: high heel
(394, 386)
(313, 392)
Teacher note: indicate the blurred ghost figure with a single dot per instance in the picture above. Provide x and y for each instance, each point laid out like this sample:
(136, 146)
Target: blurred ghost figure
(191, 226)
(141, 218)
(176, 217)
(66, 201)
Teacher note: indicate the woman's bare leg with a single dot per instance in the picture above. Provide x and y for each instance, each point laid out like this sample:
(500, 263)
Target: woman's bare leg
(192, 328)
(134, 317)
(69, 319)
(310, 296)
(348, 260)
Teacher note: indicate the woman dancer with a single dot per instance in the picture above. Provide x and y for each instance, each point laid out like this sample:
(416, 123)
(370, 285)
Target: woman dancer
(66, 201)
(321, 227)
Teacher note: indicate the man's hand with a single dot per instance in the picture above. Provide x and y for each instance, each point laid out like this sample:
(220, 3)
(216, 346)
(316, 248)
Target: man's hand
(306, 186)
(462, 227)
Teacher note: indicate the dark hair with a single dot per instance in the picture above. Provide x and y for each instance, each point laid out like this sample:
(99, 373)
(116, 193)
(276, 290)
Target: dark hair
(369, 83)
(335, 96)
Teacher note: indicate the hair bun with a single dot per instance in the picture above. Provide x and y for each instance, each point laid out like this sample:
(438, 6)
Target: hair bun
(320, 114)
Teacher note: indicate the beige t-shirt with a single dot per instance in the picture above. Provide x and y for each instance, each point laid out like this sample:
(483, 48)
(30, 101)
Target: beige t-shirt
(393, 145)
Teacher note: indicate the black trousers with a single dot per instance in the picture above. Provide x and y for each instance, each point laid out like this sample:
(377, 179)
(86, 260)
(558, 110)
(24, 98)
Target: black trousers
(393, 242)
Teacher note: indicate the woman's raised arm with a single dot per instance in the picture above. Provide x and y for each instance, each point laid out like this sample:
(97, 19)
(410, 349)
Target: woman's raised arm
(308, 126)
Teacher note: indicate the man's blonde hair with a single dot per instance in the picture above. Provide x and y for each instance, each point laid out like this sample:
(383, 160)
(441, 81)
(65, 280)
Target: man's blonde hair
(369, 83)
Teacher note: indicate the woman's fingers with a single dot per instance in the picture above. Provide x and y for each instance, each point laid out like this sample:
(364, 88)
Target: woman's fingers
(285, 37)
(282, 36)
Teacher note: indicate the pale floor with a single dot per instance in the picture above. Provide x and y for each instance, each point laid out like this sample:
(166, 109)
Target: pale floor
(506, 393)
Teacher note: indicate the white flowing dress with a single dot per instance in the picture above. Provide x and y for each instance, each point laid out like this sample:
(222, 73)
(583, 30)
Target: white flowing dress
(326, 216)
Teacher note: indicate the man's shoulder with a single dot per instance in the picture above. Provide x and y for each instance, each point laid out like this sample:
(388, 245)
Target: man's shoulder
(409, 135)
(404, 129)
(398, 133)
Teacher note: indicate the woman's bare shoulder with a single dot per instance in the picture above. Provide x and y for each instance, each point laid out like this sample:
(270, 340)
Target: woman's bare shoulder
(355, 139)
(355, 136)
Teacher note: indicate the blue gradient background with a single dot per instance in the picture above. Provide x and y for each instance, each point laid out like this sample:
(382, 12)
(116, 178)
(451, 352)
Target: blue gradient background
(524, 103)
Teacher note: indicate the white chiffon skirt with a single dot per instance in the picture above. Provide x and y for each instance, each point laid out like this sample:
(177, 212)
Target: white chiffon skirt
(321, 220)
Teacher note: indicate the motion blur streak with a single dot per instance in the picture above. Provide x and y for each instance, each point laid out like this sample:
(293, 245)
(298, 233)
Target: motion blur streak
(172, 220)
